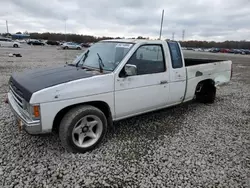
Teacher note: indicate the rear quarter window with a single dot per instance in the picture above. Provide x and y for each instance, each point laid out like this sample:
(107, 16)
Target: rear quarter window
(175, 55)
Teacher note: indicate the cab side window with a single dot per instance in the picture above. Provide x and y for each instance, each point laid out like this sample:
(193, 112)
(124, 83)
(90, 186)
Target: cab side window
(149, 59)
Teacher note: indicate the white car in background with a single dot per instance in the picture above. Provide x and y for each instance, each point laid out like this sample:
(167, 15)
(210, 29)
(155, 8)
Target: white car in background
(198, 50)
(207, 50)
(20, 41)
(6, 42)
(71, 45)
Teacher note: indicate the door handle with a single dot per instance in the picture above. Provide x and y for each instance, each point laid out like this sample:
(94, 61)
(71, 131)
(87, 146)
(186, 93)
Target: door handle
(164, 82)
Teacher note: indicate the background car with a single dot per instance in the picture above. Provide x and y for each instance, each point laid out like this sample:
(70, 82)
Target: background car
(235, 51)
(238, 51)
(224, 50)
(21, 41)
(6, 42)
(85, 45)
(198, 50)
(215, 50)
(71, 45)
(51, 42)
(246, 51)
(35, 42)
(207, 49)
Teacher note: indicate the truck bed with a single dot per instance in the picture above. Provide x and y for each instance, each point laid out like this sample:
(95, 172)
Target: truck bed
(205, 69)
(192, 62)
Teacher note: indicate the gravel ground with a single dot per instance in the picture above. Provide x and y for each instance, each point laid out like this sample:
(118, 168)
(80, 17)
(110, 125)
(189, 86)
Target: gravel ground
(191, 145)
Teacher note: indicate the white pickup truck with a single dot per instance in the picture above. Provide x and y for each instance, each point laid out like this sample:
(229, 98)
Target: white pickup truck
(112, 80)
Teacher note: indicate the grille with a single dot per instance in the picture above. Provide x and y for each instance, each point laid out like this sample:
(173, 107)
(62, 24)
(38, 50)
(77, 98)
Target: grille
(17, 95)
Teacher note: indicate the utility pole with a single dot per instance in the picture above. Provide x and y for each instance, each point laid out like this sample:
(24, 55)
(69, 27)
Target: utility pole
(65, 35)
(162, 16)
(7, 26)
(173, 35)
(183, 34)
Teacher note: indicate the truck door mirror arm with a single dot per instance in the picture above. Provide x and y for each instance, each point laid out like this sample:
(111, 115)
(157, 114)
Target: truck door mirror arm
(128, 70)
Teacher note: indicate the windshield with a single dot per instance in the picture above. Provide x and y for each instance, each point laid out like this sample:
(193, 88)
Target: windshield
(109, 54)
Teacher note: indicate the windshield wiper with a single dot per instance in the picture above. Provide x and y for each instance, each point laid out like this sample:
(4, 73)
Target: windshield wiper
(71, 64)
(85, 57)
(101, 65)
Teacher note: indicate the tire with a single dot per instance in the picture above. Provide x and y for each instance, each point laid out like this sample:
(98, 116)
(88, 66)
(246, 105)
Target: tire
(15, 46)
(66, 47)
(78, 48)
(79, 123)
(207, 94)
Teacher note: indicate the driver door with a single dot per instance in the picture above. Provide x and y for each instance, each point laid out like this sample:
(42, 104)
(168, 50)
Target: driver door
(146, 91)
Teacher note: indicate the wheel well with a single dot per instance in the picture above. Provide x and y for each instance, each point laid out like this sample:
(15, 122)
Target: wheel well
(103, 106)
(208, 82)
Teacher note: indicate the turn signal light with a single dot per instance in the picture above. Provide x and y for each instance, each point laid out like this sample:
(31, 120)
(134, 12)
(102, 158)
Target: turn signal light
(36, 111)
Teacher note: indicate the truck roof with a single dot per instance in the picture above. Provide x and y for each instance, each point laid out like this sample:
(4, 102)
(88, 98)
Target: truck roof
(134, 40)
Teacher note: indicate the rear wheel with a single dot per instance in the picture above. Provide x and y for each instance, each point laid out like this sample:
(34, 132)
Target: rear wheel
(15, 46)
(82, 129)
(66, 47)
(207, 94)
(78, 48)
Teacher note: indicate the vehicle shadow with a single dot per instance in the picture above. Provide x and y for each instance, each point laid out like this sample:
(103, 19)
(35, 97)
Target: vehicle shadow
(137, 135)
(165, 121)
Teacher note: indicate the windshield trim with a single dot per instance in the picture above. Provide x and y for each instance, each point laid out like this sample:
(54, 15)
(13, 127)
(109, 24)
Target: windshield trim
(95, 69)
(116, 41)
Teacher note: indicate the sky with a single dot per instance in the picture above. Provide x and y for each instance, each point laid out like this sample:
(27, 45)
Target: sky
(216, 20)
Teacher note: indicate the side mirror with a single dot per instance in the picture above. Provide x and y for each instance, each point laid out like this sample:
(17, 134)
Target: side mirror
(130, 70)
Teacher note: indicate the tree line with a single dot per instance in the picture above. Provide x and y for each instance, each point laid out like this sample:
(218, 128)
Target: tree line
(72, 37)
(90, 39)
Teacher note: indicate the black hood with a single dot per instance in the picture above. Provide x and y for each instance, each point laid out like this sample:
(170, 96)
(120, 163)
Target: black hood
(28, 82)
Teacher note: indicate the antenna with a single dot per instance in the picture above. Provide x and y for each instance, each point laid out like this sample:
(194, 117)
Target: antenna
(183, 34)
(65, 30)
(65, 37)
(162, 16)
(173, 35)
(7, 26)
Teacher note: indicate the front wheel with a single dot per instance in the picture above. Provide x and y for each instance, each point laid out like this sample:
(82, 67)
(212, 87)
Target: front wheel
(82, 129)
(15, 46)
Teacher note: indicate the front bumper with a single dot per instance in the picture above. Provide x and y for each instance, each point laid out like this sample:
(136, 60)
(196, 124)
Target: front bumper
(29, 125)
